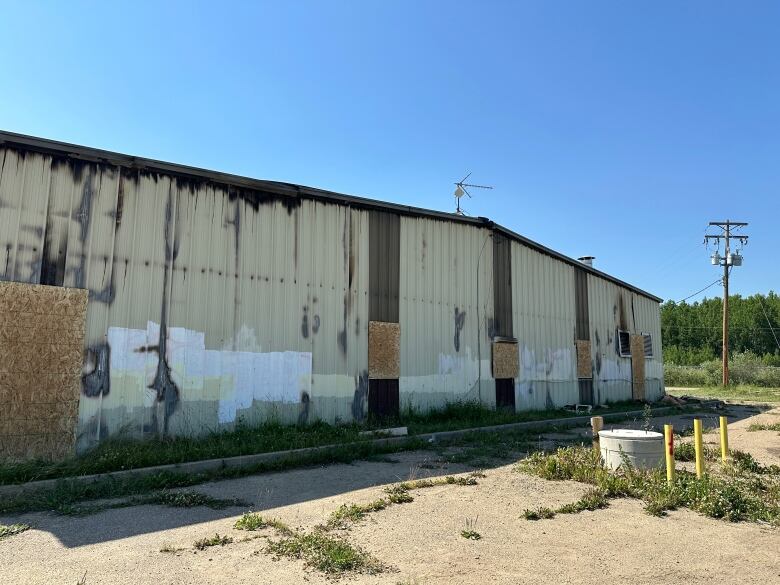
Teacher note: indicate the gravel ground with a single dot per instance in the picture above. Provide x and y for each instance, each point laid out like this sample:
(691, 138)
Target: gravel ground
(420, 541)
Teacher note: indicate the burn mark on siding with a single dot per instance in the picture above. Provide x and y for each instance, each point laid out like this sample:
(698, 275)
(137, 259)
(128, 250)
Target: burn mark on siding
(167, 393)
(303, 414)
(360, 397)
(460, 320)
(621, 310)
(83, 216)
(348, 242)
(96, 375)
(255, 198)
(305, 322)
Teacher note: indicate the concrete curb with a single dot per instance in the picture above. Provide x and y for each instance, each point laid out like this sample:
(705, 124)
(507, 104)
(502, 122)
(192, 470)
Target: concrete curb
(194, 467)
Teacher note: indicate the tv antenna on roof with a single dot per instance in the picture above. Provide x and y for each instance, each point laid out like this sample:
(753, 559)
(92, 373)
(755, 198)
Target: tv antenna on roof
(460, 191)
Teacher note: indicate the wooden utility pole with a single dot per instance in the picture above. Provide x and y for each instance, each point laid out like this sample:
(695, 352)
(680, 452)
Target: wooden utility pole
(728, 260)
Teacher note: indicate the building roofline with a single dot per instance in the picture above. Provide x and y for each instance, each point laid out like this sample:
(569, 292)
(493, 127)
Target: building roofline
(96, 155)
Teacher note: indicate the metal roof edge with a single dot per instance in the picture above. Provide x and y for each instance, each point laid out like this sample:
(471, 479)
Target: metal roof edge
(97, 155)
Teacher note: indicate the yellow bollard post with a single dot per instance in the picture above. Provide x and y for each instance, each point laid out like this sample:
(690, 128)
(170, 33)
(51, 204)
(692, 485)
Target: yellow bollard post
(697, 443)
(669, 441)
(724, 439)
(596, 423)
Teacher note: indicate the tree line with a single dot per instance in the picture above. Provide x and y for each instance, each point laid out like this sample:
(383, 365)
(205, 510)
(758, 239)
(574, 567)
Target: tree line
(692, 333)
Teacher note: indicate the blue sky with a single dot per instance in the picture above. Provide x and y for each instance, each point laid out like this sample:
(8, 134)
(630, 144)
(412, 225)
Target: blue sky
(617, 129)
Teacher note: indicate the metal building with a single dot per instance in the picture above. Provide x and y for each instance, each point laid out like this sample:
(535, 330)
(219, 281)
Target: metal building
(216, 299)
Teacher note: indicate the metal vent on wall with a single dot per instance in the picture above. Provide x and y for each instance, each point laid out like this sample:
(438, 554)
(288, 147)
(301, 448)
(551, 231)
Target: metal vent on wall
(624, 343)
(648, 341)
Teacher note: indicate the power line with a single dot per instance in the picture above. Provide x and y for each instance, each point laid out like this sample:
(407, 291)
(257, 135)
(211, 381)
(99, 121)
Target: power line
(702, 290)
(768, 321)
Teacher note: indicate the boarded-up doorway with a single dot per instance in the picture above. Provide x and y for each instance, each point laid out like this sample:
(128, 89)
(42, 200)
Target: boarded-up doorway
(638, 367)
(41, 345)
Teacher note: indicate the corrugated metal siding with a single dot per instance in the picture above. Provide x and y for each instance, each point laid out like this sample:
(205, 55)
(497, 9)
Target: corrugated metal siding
(544, 324)
(240, 273)
(611, 308)
(502, 285)
(581, 304)
(249, 286)
(384, 246)
(446, 302)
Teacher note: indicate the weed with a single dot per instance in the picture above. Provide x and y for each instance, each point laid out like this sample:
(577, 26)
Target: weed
(757, 427)
(83, 580)
(470, 531)
(329, 554)
(12, 529)
(647, 418)
(251, 521)
(687, 452)
(122, 454)
(747, 492)
(541, 513)
(215, 540)
(169, 548)
(186, 500)
(347, 514)
(594, 499)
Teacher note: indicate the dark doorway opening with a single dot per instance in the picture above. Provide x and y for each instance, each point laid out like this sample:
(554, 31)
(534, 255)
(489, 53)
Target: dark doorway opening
(505, 393)
(383, 399)
(586, 391)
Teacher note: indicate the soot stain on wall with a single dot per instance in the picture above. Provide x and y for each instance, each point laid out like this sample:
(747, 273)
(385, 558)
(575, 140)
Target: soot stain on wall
(96, 379)
(305, 405)
(167, 393)
(360, 398)
(460, 320)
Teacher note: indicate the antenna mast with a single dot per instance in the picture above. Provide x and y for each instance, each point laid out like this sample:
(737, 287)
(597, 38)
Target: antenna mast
(460, 190)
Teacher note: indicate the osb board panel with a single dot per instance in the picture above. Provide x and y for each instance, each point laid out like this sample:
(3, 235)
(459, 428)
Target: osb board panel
(638, 366)
(506, 360)
(384, 350)
(41, 342)
(584, 362)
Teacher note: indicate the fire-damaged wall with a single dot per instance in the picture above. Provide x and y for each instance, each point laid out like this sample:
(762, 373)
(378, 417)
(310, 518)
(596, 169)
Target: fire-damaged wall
(215, 299)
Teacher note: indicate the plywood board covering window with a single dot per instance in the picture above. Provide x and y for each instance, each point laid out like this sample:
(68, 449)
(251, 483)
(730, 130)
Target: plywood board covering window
(584, 363)
(506, 362)
(41, 343)
(638, 366)
(384, 343)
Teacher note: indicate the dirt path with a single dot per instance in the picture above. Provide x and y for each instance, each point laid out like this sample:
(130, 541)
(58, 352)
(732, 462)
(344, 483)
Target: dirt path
(420, 540)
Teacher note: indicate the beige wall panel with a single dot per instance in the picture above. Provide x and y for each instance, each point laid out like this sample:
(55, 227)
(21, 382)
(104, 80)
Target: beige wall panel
(584, 362)
(638, 367)
(505, 360)
(384, 350)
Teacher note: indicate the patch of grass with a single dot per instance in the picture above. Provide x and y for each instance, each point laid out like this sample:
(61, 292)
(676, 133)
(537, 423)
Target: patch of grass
(470, 531)
(215, 540)
(738, 392)
(12, 529)
(186, 499)
(69, 492)
(169, 548)
(347, 514)
(687, 452)
(745, 491)
(329, 554)
(757, 427)
(121, 454)
(251, 521)
(594, 499)
(541, 513)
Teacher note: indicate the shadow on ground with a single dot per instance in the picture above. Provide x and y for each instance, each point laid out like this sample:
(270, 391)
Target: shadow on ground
(274, 490)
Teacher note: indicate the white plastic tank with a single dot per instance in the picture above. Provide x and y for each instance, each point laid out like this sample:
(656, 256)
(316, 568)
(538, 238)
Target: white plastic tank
(642, 449)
